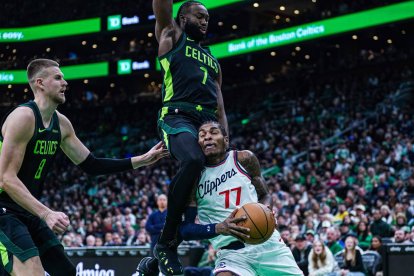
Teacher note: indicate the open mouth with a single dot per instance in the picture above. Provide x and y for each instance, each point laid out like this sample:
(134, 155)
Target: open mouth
(209, 146)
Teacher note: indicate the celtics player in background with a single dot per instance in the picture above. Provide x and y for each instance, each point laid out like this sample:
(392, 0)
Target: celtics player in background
(30, 136)
(191, 94)
(229, 180)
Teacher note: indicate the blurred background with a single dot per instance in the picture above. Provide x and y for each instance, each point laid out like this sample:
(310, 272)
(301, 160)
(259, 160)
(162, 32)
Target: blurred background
(321, 91)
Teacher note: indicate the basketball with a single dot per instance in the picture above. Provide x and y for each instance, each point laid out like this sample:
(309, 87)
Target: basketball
(260, 221)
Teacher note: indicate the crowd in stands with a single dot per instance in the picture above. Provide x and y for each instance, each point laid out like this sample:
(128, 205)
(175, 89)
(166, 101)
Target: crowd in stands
(334, 139)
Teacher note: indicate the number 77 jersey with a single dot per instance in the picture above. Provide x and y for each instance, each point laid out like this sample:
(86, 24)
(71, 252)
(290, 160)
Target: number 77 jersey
(221, 189)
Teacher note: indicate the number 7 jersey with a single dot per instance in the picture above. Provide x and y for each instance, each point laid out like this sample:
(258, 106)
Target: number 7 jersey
(220, 190)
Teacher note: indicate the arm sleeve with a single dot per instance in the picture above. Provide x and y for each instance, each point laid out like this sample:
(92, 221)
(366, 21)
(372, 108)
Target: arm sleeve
(192, 231)
(98, 166)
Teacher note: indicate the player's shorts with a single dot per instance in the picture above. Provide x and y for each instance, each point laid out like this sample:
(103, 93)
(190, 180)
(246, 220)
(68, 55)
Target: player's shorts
(178, 117)
(24, 236)
(272, 257)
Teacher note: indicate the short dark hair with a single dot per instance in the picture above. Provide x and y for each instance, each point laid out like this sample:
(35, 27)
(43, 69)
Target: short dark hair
(184, 8)
(36, 66)
(222, 129)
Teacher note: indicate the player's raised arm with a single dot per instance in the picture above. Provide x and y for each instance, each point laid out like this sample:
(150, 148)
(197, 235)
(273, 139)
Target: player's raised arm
(167, 30)
(251, 164)
(81, 156)
(17, 132)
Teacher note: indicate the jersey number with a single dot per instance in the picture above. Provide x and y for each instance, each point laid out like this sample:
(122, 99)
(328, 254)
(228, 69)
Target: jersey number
(40, 169)
(204, 69)
(227, 196)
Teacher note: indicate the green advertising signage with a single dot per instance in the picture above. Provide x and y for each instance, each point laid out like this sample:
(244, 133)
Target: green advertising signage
(51, 30)
(315, 30)
(210, 4)
(100, 69)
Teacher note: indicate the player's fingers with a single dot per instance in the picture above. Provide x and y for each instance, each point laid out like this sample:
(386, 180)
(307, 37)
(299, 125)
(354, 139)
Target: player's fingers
(159, 145)
(237, 220)
(233, 213)
(239, 235)
(240, 229)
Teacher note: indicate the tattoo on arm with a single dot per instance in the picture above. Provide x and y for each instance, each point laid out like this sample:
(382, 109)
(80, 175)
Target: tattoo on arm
(250, 162)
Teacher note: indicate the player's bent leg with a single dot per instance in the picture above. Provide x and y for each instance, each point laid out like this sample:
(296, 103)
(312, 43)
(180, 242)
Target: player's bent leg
(30, 267)
(57, 263)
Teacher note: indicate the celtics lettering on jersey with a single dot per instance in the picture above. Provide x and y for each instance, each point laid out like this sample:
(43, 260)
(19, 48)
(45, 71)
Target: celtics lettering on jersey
(190, 74)
(220, 190)
(43, 147)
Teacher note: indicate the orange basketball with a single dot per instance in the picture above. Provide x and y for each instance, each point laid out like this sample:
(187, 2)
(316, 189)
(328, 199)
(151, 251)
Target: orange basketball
(260, 220)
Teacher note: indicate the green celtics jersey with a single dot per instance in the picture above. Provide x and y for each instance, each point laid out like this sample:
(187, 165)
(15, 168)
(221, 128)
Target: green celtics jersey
(190, 72)
(40, 153)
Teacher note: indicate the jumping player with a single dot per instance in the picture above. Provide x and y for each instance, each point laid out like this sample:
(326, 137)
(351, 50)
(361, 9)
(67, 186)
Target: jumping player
(30, 137)
(191, 94)
(230, 180)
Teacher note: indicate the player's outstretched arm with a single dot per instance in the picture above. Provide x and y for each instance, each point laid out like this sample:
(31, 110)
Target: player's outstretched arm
(192, 231)
(18, 129)
(251, 164)
(81, 156)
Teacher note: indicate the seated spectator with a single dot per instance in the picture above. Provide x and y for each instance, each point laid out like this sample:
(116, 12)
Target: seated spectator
(352, 264)
(364, 237)
(399, 237)
(380, 227)
(310, 236)
(301, 252)
(376, 245)
(345, 231)
(90, 240)
(332, 240)
(321, 260)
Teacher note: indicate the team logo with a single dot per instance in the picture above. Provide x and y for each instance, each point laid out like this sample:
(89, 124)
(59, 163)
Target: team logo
(222, 264)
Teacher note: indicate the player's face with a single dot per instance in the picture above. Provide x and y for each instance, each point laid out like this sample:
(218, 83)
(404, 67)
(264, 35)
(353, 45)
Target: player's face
(212, 141)
(196, 22)
(54, 85)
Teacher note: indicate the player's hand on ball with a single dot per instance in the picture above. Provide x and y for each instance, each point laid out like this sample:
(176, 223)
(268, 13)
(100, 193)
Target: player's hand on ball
(57, 221)
(229, 227)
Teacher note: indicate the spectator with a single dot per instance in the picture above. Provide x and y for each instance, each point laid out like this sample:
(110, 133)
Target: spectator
(156, 220)
(90, 240)
(321, 260)
(332, 240)
(399, 237)
(142, 240)
(376, 245)
(364, 237)
(352, 265)
(98, 241)
(310, 236)
(301, 252)
(380, 227)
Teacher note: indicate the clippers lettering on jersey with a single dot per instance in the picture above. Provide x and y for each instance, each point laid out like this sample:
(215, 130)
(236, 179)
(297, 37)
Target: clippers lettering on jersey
(211, 185)
(202, 57)
(43, 147)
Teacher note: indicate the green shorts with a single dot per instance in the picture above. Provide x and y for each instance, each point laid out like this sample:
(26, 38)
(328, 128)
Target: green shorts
(180, 117)
(24, 236)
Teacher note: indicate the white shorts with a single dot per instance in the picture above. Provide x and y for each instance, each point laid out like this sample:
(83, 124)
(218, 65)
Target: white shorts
(272, 257)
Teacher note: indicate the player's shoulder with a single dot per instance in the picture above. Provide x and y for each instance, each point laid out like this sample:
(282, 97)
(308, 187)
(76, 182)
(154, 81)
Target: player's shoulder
(24, 115)
(244, 155)
(63, 119)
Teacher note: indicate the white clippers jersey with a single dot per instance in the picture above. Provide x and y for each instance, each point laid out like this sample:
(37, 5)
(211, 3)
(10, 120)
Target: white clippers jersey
(220, 190)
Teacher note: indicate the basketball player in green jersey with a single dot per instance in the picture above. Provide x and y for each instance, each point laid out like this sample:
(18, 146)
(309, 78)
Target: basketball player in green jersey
(191, 94)
(30, 136)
